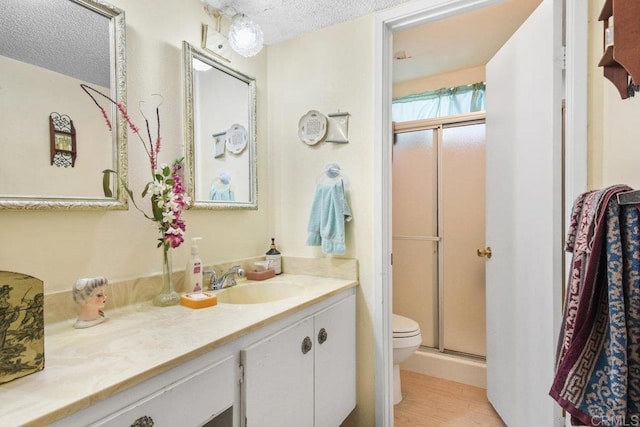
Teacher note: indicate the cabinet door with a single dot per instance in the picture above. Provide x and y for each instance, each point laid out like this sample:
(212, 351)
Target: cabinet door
(278, 379)
(335, 363)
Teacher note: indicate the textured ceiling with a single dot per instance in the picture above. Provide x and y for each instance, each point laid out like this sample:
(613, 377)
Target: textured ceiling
(455, 43)
(38, 32)
(283, 19)
(59, 35)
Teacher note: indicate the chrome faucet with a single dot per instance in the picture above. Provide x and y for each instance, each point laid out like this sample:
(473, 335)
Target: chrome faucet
(218, 283)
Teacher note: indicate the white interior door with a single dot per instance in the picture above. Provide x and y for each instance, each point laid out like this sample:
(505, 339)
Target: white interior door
(523, 220)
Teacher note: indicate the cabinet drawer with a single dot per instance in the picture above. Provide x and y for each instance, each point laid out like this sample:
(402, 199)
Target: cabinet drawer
(190, 401)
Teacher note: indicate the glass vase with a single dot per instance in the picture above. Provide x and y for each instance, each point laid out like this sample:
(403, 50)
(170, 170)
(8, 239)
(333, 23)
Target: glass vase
(168, 296)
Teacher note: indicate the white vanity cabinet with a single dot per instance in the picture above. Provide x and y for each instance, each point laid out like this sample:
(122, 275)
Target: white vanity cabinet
(296, 368)
(304, 375)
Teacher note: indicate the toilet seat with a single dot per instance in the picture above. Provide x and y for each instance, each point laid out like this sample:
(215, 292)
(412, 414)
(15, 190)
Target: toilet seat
(404, 327)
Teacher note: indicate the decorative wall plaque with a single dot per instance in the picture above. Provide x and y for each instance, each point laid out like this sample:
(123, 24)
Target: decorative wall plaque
(63, 140)
(338, 128)
(312, 127)
(236, 139)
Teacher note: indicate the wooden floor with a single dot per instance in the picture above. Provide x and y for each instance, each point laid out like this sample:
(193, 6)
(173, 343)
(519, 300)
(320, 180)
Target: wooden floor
(434, 402)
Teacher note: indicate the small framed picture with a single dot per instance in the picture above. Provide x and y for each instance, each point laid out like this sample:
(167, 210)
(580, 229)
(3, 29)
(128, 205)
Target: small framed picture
(219, 142)
(63, 141)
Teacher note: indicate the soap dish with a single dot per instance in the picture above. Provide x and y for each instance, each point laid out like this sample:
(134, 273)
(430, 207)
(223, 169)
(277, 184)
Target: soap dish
(199, 300)
(260, 275)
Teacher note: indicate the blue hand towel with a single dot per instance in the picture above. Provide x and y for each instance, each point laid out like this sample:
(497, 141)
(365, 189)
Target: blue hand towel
(221, 194)
(329, 213)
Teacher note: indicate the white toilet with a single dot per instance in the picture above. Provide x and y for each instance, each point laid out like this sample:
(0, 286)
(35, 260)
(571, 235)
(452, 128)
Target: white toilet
(406, 340)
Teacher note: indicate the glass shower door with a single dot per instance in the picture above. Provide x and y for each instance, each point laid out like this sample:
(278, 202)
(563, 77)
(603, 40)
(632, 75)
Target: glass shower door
(415, 231)
(438, 225)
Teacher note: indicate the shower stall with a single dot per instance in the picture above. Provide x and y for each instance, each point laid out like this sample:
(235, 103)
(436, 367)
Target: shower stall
(438, 242)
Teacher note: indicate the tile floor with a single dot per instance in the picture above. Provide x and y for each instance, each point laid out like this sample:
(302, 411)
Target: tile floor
(434, 402)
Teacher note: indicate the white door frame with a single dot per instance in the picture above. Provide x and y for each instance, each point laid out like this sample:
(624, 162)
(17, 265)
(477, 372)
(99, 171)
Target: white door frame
(420, 12)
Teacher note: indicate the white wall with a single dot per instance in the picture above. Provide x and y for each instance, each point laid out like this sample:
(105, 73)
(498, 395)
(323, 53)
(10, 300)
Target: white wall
(614, 146)
(33, 93)
(62, 246)
(327, 70)
(451, 79)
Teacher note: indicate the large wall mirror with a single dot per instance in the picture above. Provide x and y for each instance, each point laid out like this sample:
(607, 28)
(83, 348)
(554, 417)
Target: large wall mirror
(55, 142)
(220, 137)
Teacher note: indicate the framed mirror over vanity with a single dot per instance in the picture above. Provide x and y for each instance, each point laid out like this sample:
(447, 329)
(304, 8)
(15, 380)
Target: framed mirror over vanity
(220, 136)
(53, 145)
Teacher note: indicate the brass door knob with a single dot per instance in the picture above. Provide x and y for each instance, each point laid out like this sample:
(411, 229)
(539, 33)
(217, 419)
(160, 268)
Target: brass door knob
(484, 252)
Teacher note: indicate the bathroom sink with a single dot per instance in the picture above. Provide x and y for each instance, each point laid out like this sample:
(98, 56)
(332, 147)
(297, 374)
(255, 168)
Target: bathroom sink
(259, 293)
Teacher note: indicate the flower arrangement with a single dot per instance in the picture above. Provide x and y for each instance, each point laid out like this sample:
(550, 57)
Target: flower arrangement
(166, 191)
(168, 196)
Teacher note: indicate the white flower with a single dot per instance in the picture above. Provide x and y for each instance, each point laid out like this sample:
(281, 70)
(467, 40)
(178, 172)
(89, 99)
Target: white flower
(157, 188)
(168, 216)
(173, 204)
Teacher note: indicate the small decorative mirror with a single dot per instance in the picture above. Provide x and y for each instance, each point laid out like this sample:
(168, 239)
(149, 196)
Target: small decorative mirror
(220, 105)
(55, 144)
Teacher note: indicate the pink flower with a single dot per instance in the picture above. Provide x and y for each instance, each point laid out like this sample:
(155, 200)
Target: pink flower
(153, 156)
(106, 118)
(179, 224)
(174, 240)
(125, 115)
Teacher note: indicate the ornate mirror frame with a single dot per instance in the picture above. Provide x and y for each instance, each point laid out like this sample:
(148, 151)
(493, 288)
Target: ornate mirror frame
(118, 201)
(189, 54)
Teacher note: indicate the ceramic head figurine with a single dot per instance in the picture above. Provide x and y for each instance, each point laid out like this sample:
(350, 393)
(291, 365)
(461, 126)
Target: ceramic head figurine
(91, 296)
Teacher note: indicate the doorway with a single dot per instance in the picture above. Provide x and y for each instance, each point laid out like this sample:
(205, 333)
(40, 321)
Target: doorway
(410, 15)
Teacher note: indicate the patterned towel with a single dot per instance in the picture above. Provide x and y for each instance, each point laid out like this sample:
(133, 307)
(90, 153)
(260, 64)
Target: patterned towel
(598, 369)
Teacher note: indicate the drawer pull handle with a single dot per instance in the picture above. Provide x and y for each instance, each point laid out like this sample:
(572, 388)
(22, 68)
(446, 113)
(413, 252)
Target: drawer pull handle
(322, 336)
(306, 345)
(144, 421)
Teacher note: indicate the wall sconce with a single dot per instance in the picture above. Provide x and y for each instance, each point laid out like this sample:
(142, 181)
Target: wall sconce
(62, 136)
(212, 39)
(245, 36)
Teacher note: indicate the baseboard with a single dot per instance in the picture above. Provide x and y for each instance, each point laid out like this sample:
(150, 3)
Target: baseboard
(449, 367)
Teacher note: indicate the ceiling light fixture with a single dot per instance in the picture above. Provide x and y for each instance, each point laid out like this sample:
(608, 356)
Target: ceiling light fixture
(245, 36)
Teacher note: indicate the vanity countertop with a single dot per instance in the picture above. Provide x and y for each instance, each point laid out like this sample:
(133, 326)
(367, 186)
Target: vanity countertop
(83, 366)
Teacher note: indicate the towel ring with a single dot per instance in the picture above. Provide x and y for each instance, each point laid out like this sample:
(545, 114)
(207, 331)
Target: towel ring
(332, 170)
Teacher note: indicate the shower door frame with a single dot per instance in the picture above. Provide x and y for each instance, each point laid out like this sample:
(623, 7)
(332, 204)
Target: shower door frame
(438, 124)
